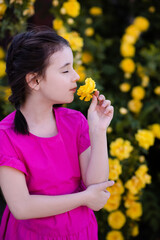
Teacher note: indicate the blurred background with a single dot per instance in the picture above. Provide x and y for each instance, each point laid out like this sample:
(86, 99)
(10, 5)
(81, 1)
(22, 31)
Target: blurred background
(117, 44)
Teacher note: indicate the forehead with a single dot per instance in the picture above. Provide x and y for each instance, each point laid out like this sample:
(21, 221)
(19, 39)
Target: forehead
(61, 57)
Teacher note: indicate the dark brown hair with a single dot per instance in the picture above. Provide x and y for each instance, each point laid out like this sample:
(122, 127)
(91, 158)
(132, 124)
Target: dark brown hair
(29, 52)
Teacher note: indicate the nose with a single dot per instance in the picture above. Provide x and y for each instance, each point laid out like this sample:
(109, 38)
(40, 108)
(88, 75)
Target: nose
(76, 76)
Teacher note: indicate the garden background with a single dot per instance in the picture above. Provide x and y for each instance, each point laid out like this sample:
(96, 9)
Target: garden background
(116, 43)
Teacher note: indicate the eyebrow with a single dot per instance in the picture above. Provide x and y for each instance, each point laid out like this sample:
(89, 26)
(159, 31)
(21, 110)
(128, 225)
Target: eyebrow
(65, 65)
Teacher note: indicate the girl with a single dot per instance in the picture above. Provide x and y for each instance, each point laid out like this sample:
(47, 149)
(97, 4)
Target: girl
(53, 162)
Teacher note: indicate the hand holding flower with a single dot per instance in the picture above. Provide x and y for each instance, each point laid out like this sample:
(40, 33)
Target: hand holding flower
(100, 112)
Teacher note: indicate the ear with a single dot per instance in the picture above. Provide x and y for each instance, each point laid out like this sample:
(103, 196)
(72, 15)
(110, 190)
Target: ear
(32, 81)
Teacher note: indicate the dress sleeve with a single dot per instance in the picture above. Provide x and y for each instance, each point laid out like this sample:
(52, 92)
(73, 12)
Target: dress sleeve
(8, 156)
(84, 139)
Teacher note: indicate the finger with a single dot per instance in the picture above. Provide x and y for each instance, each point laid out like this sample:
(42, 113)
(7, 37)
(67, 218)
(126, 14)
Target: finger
(101, 98)
(93, 104)
(109, 109)
(96, 93)
(106, 103)
(104, 185)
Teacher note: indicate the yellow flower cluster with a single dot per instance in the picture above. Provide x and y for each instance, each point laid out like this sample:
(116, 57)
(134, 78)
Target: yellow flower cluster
(95, 11)
(114, 235)
(86, 91)
(29, 11)
(138, 181)
(115, 169)
(81, 72)
(157, 90)
(125, 87)
(134, 211)
(135, 104)
(72, 8)
(145, 138)
(116, 219)
(134, 186)
(155, 128)
(3, 8)
(141, 73)
(3, 68)
(121, 148)
(89, 32)
(57, 24)
(87, 57)
(76, 42)
(114, 201)
(127, 48)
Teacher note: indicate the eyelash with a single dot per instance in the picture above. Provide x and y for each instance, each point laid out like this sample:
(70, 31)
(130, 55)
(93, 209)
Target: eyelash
(66, 72)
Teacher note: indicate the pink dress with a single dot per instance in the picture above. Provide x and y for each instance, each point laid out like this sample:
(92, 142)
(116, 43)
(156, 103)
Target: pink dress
(51, 167)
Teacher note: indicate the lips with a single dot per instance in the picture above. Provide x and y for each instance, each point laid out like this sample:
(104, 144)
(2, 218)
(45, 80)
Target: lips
(74, 89)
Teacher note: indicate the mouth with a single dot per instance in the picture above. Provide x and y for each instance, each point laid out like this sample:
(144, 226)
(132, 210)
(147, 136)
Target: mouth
(73, 89)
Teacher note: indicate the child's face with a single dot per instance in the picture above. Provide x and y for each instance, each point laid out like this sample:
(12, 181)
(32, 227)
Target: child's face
(60, 78)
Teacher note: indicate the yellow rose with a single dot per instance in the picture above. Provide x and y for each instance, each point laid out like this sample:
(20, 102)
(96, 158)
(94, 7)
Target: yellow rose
(89, 31)
(115, 169)
(89, 20)
(7, 93)
(138, 93)
(3, 68)
(127, 65)
(113, 202)
(155, 128)
(123, 111)
(76, 42)
(55, 3)
(145, 138)
(128, 39)
(127, 50)
(96, 11)
(57, 24)
(125, 87)
(120, 148)
(129, 199)
(114, 235)
(81, 72)
(141, 173)
(151, 9)
(145, 81)
(3, 8)
(134, 211)
(141, 159)
(2, 53)
(116, 219)
(72, 8)
(70, 21)
(109, 129)
(117, 188)
(140, 70)
(135, 105)
(135, 230)
(29, 11)
(87, 57)
(157, 90)
(134, 185)
(85, 92)
(133, 31)
(141, 23)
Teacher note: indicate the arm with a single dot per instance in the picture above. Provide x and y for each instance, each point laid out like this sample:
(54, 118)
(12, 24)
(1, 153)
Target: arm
(26, 206)
(94, 161)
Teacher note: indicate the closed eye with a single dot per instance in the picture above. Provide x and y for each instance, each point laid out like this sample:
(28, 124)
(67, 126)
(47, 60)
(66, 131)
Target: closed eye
(66, 72)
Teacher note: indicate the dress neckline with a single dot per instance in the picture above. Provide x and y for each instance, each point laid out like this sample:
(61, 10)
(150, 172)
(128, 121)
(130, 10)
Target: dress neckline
(52, 137)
